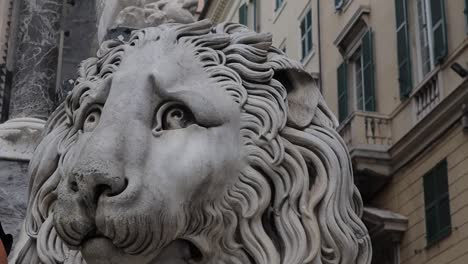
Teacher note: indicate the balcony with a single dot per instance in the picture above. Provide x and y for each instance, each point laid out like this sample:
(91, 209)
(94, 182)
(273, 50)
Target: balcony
(370, 129)
(368, 137)
(427, 96)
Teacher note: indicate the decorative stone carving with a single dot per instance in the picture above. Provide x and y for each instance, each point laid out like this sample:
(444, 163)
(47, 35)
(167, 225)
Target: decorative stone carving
(19, 137)
(193, 144)
(138, 14)
(155, 13)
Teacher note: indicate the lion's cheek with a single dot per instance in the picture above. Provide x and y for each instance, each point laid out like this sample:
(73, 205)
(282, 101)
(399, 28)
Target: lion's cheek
(194, 162)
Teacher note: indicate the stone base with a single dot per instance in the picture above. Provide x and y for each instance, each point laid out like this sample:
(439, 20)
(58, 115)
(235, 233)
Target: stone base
(19, 138)
(14, 182)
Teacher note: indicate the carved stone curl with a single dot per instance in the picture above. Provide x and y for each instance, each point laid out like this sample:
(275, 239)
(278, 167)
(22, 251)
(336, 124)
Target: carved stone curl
(193, 144)
(152, 13)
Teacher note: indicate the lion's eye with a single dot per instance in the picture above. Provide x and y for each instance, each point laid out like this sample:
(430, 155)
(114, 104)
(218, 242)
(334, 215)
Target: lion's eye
(91, 121)
(170, 116)
(177, 117)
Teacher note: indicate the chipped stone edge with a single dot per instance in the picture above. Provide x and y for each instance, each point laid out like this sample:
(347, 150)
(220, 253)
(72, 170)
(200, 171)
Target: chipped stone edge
(19, 138)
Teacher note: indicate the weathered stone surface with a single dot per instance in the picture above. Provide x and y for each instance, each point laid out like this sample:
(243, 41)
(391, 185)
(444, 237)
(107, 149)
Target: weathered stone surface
(138, 14)
(19, 138)
(33, 92)
(193, 143)
(13, 194)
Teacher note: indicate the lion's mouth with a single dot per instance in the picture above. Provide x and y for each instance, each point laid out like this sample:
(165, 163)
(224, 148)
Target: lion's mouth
(102, 250)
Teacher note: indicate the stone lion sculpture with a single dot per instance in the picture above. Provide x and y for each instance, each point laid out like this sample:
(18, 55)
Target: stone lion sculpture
(193, 144)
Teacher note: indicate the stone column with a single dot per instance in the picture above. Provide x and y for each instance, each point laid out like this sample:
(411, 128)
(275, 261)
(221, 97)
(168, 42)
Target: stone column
(34, 83)
(33, 93)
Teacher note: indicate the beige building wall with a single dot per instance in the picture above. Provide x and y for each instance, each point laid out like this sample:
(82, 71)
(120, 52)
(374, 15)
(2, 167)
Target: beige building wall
(395, 146)
(405, 195)
(283, 23)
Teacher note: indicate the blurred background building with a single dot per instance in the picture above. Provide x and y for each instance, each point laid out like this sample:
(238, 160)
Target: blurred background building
(394, 72)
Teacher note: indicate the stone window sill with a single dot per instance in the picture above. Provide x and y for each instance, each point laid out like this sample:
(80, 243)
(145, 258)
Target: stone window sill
(308, 58)
(278, 11)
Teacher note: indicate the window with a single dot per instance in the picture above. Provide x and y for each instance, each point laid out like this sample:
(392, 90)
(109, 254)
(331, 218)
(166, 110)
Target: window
(359, 80)
(356, 80)
(306, 34)
(244, 14)
(437, 203)
(248, 14)
(432, 38)
(278, 4)
(404, 58)
(342, 92)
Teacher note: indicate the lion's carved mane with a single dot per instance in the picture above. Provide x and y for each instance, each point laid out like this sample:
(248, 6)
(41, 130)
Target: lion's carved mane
(294, 204)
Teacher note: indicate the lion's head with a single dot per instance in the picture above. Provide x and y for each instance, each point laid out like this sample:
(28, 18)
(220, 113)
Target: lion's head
(196, 144)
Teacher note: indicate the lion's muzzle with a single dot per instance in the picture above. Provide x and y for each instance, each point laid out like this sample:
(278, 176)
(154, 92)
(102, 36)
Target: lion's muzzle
(86, 188)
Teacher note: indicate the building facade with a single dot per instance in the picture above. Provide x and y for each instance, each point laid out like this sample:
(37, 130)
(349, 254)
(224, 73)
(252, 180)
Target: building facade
(395, 74)
(290, 22)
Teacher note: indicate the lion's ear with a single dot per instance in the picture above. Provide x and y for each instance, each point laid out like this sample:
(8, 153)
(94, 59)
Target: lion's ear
(303, 96)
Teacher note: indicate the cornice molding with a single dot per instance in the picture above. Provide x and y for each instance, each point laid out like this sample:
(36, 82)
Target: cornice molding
(431, 128)
(355, 18)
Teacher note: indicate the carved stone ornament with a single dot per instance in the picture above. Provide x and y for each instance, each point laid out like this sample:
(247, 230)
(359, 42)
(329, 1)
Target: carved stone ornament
(19, 137)
(138, 14)
(193, 144)
(156, 12)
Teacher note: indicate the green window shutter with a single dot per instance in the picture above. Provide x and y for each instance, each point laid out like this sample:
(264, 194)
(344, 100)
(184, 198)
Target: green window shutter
(368, 69)
(342, 75)
(306, 34)
(439, 31)
(404, 62)
(443, 199)
(243, 14)
(437, 203)
(430, 197)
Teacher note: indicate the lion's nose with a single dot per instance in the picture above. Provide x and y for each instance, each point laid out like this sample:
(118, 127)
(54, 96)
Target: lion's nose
(93, 184)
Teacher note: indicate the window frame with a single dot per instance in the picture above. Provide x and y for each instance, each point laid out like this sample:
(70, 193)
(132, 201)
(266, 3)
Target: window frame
(404, 49)
(251, 13)
(340, 4)
(354, 99)
(429, 38)
(244, 6)
(279, 4)
(436, 32)
(353, 52)
(308, 29)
